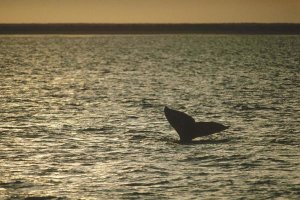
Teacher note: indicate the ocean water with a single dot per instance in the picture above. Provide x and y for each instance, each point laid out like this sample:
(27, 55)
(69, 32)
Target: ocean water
(81, 117)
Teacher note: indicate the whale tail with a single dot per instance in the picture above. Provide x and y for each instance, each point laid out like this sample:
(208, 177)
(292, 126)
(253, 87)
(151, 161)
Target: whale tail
(187, 128)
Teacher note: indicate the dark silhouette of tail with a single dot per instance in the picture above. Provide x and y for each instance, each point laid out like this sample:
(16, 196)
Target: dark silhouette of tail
(187, 128)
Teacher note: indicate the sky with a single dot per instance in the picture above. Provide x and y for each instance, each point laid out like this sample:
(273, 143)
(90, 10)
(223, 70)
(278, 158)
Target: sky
(149, 11)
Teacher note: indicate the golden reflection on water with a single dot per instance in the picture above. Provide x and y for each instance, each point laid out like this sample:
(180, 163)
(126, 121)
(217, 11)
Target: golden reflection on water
(86, 120)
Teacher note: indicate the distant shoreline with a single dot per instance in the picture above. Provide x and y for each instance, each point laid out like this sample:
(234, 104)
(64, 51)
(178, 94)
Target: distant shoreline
(82, 28)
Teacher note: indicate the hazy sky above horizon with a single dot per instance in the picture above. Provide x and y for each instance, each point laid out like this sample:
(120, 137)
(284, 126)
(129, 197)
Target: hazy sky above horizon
(149, 11)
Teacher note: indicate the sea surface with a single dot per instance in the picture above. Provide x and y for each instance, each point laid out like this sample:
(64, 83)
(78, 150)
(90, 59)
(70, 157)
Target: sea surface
(81, 117)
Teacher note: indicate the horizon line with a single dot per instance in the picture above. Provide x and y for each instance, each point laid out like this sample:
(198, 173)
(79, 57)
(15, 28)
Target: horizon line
(147, 23)
(150, 28)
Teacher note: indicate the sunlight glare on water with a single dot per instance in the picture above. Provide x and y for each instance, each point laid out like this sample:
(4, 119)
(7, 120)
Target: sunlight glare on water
(82, 116)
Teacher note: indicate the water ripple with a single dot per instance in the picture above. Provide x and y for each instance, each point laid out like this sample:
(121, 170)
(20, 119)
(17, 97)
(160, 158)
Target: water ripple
(82, 117)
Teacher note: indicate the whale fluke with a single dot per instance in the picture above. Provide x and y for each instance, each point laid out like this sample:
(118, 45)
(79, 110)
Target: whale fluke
(187, 128)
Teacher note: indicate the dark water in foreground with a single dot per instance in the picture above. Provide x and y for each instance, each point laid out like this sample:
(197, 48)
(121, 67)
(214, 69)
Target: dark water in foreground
(81, 117)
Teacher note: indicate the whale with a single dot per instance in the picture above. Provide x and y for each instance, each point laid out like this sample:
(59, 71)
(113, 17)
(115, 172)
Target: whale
(187, 128)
